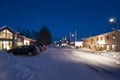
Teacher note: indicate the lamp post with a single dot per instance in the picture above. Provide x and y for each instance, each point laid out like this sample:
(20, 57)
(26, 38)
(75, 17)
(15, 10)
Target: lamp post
(70, 36)
(75, 35)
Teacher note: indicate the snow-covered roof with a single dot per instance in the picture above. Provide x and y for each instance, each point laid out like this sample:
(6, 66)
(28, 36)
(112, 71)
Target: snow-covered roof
(102, 34)
(7, 27)
(26, 38)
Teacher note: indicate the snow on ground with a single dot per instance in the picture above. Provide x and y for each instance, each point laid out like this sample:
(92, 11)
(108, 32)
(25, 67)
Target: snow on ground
(97, 62)
(11, 69)
(54, 64)
(111, 54)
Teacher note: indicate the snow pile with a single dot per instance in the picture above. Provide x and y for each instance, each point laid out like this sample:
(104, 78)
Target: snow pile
(6, 65)
(12, 69)
(111, 54)
(6, 57)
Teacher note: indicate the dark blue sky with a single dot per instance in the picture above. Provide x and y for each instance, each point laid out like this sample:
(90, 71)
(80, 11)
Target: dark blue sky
(88, 17)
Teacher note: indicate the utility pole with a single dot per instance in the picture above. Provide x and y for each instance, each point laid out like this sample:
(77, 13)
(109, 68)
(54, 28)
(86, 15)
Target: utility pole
(75, 35)
(70, 36)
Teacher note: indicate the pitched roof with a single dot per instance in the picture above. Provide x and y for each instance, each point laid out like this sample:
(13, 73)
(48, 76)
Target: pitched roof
(7, 27)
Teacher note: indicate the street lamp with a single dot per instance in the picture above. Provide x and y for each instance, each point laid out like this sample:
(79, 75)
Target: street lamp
(75, 35)
(71, 35)
(114, 21)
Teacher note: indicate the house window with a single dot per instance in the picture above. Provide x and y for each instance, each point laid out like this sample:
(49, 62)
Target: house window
(107, 47)
(92, 40)
(97, 38)
(101, 38)
(0, 34)
(113, 36)
(108, 37)
(19, 39)
(5, 44)
(113, 47)
(6, 34)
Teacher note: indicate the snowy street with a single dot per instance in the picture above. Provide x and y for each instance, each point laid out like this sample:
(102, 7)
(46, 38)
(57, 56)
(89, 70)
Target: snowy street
(59, 64)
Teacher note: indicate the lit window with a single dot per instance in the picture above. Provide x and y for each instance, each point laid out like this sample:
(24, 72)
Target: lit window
(6, 34)
(113, 47)
(0, 34)
(113, 36)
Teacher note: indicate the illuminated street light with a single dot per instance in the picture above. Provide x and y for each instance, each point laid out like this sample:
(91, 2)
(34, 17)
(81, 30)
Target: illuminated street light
(72, 35)
(112, 20)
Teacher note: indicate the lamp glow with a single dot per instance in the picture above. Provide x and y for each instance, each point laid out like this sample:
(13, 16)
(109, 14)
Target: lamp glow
(112, 20)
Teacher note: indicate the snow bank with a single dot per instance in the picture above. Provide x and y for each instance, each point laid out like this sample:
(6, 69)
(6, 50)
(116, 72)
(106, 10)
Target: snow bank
(6, 57)
(11, 69)
(111, 54)
(6, 65)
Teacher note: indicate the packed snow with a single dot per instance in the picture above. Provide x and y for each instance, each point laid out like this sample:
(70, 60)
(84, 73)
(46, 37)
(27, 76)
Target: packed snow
(59, 64)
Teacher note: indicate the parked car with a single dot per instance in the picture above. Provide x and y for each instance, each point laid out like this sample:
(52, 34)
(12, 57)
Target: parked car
(39, 47)
(44, 46)
(24, 50)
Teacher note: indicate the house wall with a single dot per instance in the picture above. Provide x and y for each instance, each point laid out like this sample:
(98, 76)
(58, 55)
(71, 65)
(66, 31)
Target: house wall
(22, 40)
(26, 42)
(7, 39)
(10, 39)
(78, 44)
(118, 41)
(107, 41)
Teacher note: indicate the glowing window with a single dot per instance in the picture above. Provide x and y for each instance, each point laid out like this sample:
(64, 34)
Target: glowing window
(6, 34)
(113, 36)
(113, 46)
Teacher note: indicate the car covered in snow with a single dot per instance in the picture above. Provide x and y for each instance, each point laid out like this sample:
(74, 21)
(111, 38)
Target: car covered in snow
(24, 50)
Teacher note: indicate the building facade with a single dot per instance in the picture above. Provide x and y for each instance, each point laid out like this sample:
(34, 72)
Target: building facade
(10, 38)
(23, 40)
(108, 41)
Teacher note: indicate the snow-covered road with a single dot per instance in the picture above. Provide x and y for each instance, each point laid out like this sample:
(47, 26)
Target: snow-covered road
(59, 64)
(67, 64)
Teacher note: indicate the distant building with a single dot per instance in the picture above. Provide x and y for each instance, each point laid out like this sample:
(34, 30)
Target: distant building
(10, 38)
(79, 44)
(107, 41)
(23, 40)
